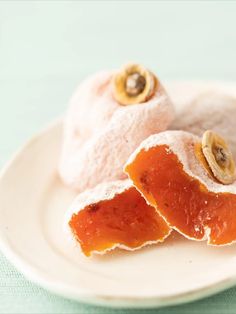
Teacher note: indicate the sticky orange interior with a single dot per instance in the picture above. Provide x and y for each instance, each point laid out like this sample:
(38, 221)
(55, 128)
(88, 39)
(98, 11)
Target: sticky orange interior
(126, 219)
(181, 199)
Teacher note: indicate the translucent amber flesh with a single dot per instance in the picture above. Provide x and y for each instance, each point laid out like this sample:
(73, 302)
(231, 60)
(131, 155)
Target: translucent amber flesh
(126, 219)
(182, 200)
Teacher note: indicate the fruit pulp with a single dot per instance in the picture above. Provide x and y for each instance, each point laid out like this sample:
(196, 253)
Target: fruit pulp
(182, 200)
(125, 220)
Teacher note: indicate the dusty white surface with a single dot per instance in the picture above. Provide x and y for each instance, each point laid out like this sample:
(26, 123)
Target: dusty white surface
(210, 110)
(100, 134)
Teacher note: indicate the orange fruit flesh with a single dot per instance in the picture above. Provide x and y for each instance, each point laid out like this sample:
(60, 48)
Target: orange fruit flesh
(126, 219)
(184, 202)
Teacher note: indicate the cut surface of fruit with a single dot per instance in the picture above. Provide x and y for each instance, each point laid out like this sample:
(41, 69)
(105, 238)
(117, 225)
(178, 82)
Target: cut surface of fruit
(166, 170)
(114, 215)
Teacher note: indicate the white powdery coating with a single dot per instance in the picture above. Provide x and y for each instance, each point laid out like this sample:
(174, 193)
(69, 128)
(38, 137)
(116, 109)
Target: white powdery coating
(182, 144)
(100, 134)
(102, 192)
(211, 110)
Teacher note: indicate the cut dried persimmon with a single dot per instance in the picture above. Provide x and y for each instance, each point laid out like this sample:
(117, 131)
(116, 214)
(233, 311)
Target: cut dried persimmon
(115, 215)
(167, 170)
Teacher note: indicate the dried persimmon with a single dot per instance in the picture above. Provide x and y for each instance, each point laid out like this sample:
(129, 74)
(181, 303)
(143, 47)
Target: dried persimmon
(173, 174)
(105, 123)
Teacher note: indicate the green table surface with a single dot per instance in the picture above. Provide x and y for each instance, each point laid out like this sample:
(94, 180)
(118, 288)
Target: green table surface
(47, 47)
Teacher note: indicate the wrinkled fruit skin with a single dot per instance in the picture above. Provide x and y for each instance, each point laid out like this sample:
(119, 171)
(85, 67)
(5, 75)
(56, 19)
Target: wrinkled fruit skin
(99, 134)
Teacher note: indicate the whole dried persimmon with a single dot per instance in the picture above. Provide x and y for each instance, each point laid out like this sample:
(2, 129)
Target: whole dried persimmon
(110, 114)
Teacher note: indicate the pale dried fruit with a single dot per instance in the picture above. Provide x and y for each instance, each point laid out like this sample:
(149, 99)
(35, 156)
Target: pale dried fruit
(100, 134)
(133, 84)
(218, 156)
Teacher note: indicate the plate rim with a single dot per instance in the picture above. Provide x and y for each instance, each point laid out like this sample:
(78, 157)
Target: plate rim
(32, 274)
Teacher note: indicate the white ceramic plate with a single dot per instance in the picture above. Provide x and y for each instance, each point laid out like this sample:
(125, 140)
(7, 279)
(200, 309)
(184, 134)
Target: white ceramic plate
(32, 205)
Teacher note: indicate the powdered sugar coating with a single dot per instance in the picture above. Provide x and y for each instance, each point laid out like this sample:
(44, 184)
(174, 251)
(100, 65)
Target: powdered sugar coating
(100, 134)
(182, 144)
(211, 110)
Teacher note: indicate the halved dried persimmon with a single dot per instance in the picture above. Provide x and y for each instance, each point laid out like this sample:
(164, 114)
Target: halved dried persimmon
(167, 170)
(114, 215)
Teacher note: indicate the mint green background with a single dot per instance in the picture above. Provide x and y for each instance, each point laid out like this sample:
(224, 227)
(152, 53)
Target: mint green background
(46, 48)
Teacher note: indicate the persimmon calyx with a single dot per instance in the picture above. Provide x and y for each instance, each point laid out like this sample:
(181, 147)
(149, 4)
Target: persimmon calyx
(133, 84)
(218, 157)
